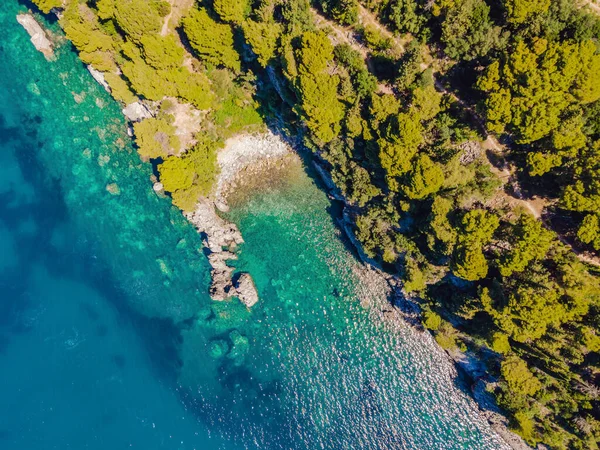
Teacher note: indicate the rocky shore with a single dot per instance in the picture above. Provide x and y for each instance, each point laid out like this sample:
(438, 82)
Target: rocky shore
(39, 37)
(241, 155)
(221, 240)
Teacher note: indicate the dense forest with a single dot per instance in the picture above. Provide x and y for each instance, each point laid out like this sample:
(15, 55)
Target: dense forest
(463, 136)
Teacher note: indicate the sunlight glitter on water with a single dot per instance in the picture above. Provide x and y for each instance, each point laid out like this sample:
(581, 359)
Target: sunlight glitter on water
(308, 367)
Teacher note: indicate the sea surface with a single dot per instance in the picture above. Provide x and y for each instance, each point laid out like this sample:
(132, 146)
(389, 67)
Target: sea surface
(109, 340)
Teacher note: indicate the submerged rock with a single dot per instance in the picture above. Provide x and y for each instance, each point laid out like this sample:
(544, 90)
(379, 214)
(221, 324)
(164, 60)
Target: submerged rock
(239, 348)
(39, 38)
(218, 349)
(113, 189)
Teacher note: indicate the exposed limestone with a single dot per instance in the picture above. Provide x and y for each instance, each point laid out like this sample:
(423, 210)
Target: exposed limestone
(99, 77)
(471, 150)
(220, 239)
(187, 122)
(137, 111)
(39, 38)
(245, 290)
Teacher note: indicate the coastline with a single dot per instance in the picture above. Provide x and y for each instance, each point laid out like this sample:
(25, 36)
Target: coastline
(271, 150)
(241, 176)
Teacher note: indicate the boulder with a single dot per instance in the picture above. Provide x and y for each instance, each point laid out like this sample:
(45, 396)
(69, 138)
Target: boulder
(136, 112)
(38, 35)
(245, 290)
(221, 239)
(221, 287)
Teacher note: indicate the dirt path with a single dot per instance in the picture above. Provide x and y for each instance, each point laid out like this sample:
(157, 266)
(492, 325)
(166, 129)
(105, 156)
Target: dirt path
(536, 205)
(593, 5)
(367, 18)
(178, 10)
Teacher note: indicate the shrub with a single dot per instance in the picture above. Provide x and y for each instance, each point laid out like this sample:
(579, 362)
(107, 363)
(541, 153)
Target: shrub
(155, 138)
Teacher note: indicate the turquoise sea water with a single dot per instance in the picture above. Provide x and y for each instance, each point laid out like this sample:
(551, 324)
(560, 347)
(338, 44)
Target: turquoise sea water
(108, 338)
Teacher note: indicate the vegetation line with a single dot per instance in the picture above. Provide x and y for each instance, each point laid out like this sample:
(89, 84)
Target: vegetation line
(474, 185)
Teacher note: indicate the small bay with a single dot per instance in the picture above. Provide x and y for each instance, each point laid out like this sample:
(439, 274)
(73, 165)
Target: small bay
(108, 338)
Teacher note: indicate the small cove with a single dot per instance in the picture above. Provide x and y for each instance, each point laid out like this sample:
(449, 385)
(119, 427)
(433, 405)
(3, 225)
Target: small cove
(107, 328)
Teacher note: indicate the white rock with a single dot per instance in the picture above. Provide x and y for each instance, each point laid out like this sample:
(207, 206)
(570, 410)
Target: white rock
(245, 290)
(136, 112)
(99, 77)
(39, 39)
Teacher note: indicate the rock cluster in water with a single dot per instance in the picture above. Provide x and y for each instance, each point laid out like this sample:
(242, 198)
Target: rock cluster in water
(221, 240)
(39, 38)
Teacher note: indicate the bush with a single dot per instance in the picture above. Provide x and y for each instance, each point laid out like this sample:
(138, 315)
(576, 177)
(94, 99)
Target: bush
(432, 320)
(191, 176)
(155, 138)
(212, 41)
(500, 343)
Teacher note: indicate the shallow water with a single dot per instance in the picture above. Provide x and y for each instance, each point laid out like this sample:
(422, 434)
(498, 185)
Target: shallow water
(108, 338)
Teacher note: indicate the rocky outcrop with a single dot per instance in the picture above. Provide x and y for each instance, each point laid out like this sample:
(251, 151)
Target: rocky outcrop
(39, 38)
(246, 290)
(99, 77)
(136, 111)
(221, 240)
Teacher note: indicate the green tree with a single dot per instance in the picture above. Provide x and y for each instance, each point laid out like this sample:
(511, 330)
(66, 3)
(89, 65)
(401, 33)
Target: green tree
(478, 227)
(234, 11)
(263, 38)
(161, 52)
(518, 377)
(318, 89)
(345, 11)
(443, 234)
(589, 230)
(468, 32)
(212, 41)
(364, 83)
(425, 178)
(540, 163)
(519, 11)
(297, 16)
(155, 137)
(403, 139)
(426, 101)
(46, 5)
(500, 343)
(414, 278)
(539, 83)
(138, 18)
(529, 241)
(408, 16)
(469, 263)
(432, 320)
(191, 176)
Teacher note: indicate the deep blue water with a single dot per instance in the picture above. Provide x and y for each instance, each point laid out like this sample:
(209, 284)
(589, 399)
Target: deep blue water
(108, 338)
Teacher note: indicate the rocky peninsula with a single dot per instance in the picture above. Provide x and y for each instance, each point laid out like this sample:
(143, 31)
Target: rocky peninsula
(241, 156)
